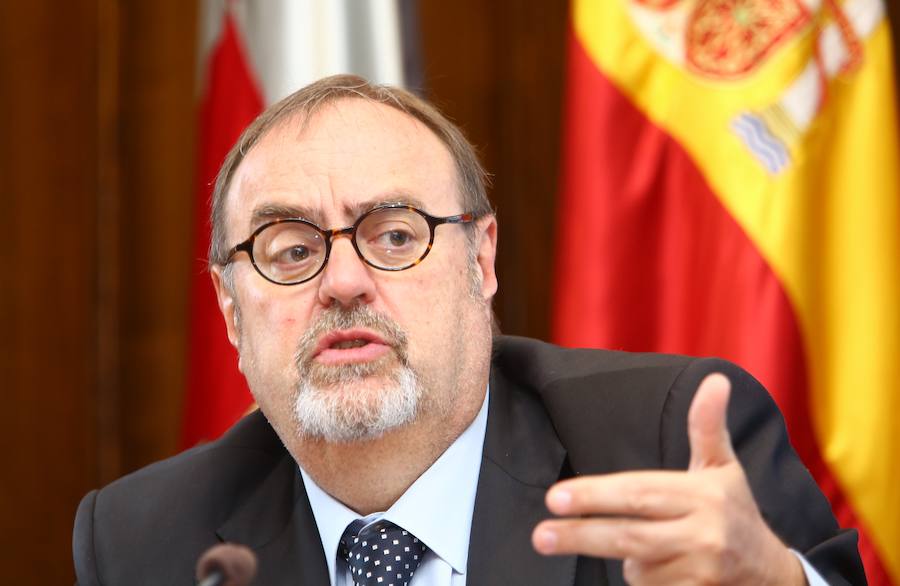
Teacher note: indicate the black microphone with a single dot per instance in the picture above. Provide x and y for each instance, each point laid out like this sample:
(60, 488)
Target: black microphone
(226, 564)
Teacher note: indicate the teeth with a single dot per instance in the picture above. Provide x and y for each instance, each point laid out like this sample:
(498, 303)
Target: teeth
(344, 344)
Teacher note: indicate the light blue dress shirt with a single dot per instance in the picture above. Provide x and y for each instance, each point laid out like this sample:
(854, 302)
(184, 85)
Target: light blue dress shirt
(437, 509)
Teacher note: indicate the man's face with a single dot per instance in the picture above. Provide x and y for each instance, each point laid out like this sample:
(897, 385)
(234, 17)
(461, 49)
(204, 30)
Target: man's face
(356, 351)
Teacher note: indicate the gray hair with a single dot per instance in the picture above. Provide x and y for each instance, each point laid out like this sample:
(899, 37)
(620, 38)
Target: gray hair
(310, 99)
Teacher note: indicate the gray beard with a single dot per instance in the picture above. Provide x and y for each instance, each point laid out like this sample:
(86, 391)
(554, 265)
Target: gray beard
(337, 415)
(329, 403)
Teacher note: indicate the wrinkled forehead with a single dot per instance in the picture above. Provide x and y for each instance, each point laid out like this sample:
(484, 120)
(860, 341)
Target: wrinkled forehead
(349, 154)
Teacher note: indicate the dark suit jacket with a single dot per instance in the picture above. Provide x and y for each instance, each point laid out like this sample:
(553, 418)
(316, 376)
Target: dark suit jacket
(553, 413)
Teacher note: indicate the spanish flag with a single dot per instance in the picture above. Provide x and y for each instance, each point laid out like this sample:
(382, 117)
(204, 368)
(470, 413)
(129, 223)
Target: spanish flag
(730, 187)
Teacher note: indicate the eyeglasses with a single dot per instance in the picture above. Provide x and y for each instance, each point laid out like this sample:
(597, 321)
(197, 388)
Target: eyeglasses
(391, 237)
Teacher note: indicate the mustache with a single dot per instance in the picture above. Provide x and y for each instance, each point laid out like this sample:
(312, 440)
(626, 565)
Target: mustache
(339, 317)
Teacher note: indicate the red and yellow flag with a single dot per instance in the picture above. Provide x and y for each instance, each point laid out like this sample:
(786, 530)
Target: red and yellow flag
(730, 187)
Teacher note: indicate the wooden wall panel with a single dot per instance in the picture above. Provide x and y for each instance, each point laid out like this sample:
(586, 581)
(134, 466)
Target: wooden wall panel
(156, 139)
(49, 179)
(96, 167)
(893, 11)
(497, 68)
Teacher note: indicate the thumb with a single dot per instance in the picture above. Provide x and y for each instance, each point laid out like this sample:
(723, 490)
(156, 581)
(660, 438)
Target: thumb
(707, 429)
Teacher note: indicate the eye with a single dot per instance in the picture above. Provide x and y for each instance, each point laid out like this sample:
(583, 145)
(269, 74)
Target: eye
(288, 247)
(396, 238)
(293, 254)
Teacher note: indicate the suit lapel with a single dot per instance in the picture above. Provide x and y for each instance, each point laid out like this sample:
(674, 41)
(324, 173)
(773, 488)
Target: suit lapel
(277, 522)
(522, 458)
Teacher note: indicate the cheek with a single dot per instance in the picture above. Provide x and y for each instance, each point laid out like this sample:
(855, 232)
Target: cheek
(273, 320)
(427, 305)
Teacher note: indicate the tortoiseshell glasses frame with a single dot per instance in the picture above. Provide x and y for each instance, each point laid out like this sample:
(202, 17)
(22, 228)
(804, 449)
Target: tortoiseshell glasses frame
(389, 237)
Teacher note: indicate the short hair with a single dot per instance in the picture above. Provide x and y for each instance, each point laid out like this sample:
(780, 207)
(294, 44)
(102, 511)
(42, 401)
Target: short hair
(471, 176)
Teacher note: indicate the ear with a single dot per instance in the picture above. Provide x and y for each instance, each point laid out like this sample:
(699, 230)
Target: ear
(487, 255)
(227, 304)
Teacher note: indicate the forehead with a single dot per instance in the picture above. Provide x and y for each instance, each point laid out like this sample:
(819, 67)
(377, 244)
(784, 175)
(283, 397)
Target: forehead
(350, 153)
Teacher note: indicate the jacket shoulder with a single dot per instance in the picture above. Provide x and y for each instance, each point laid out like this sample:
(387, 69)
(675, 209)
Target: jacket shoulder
(548, 369)
(248, 449)
(166, 514)
(623, 401)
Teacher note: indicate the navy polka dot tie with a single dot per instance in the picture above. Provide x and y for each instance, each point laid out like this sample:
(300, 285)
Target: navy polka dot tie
(382, 554)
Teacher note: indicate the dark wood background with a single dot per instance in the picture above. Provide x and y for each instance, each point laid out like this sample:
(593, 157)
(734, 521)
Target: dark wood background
(97, 126)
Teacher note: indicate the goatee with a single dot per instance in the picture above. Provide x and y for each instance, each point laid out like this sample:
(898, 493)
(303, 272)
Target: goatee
(354, 401)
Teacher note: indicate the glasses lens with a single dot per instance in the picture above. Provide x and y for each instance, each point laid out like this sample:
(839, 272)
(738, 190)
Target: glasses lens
(289, 252)
(393, 238)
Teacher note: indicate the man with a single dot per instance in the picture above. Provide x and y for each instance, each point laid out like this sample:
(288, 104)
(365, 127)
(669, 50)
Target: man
(353, 257)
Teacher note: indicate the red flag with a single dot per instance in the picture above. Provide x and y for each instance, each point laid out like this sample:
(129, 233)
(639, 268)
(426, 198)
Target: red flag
(217, 393)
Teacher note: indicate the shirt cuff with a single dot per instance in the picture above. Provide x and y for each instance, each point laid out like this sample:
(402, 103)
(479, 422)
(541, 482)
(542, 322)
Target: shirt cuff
(813, 578)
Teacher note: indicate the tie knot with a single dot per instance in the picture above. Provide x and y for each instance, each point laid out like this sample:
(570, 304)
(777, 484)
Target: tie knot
(382, 554)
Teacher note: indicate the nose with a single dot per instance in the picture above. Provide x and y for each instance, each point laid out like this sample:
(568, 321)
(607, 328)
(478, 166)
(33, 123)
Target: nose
(346, 279)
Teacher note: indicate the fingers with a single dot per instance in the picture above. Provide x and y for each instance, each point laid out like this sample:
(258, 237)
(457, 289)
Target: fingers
(610, 538)
(671, 526)
(707, 425)
(650, 494)
(638, 513)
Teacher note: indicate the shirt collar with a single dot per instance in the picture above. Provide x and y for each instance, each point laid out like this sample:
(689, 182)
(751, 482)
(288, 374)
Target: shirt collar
(437, 508)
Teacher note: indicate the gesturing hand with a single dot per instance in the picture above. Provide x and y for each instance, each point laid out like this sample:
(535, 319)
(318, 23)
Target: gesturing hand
(701, 526)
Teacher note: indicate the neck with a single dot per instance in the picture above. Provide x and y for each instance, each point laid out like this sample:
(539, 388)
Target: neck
(354, 472)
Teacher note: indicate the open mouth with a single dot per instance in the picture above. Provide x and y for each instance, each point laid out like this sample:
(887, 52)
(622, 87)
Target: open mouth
(345, 344)
(349, 346)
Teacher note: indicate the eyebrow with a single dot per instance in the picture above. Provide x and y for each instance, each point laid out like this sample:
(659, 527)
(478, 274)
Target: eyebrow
(362, 207)
(268, 212)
